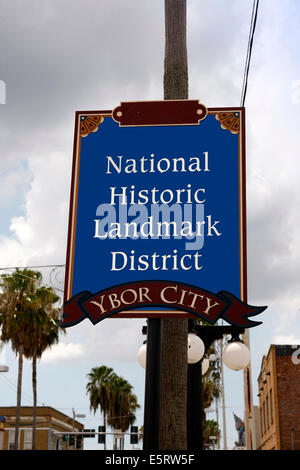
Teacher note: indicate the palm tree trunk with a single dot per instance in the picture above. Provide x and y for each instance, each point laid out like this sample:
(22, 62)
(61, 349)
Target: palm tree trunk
(173, 377)
(173, 385)
(19, 391)
(34, 388)
(176, 63)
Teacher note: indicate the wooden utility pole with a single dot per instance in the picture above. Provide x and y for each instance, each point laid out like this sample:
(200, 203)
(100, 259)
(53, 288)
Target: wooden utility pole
(173, 373)
(176, 63)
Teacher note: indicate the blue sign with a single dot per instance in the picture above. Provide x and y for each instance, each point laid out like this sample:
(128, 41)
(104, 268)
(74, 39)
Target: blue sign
(158, 202)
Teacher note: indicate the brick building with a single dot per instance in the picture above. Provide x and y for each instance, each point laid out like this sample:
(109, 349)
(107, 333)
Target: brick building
(279, 398)
(51, 427)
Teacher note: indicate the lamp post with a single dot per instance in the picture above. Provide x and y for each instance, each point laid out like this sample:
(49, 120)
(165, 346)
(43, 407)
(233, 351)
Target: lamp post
(236, 356)
(75, 415)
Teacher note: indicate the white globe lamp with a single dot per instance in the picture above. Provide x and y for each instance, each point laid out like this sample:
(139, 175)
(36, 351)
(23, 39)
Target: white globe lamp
(213, 357)
(196, 348)
(205, 365)
(142, 354)
(236, 355)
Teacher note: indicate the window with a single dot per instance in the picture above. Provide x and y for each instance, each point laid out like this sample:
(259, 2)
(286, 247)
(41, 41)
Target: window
(11, 439)
(271, 406)
(28, 439)
(267, 409)
(264, 413)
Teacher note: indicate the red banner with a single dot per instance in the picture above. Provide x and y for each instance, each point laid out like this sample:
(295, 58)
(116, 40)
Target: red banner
(189, 301)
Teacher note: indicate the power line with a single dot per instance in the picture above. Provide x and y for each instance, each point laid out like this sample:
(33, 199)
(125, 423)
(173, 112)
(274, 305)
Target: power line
(249, 50)
(24, 394)
(29, 277)
(34, 267)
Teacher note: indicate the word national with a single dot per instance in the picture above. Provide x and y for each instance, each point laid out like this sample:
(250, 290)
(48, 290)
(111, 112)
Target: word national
(151, 165)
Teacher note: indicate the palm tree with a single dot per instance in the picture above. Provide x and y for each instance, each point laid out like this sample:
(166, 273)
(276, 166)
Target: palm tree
(173, 374)
(211, 428)
(124, 404)
(176, 62)
(42, 332)
(17, 302)
(99, 389)
(113, 394)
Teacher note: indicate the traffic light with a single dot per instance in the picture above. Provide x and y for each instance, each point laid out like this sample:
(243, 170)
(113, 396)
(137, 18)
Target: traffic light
(101, 437)
(79, 442)
(88, 433)
(65, 437)
(134, 437)
(71, 440)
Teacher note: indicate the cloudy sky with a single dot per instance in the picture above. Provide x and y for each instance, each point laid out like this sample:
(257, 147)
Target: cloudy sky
(59, 56)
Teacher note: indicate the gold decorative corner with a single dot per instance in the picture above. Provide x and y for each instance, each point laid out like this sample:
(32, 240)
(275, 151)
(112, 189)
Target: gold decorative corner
(230, 121)
(90, 123)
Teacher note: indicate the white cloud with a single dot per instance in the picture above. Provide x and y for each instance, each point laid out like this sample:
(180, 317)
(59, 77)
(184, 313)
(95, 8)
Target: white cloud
(12, 253)
(13, 183)
(287, 339)
(63, 352)
(40, 234)
(110, 340)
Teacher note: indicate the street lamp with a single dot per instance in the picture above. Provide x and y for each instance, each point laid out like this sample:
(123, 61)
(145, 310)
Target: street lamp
(76, 415)
(205, 365)
(142, 354)
(233, 351)
(236, 356)
(196, 348)
(195, 353)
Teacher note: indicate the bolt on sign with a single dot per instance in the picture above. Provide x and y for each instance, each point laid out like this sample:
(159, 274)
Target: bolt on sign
(157, 224)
